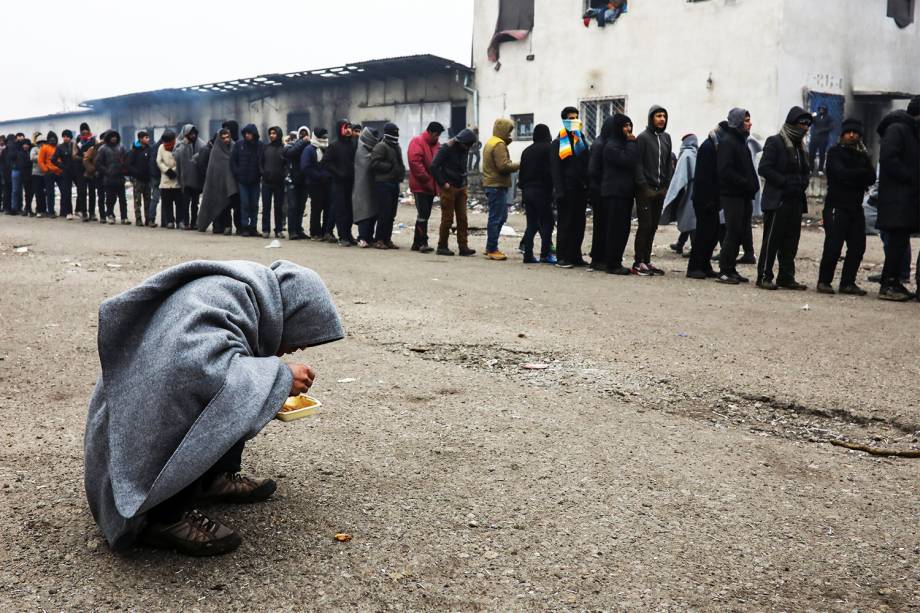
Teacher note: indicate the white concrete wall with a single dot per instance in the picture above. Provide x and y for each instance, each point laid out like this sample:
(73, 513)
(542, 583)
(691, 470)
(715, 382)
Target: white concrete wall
(661, 52)
(67, 121)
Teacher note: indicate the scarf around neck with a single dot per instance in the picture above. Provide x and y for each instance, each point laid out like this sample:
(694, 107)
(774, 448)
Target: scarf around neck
(571, 140)
(793, 136)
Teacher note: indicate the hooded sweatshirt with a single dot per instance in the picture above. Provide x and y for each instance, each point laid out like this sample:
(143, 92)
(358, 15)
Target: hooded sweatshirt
(111, 160)
(621, 156)
(362, 195)
(784, 164)
(654, 169)
(386, 159)
(899, 172)
(497, 166)
(421, 153)
(734, 164)
(340, 158)
(271, 163)
(536, 170)
(245, 157)
(189, 176)
(449, 165)
(46, 153)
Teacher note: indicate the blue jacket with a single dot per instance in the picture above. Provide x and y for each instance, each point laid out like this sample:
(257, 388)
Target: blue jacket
(311, 168)
(245, 157)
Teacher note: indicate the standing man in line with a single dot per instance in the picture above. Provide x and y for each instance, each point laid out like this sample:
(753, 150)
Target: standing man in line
(497, 168)
(449, 169)
(190, 179)
(86, 187)
(822, 126)
(706, 206)
(272, 169)
(784, 167)
(111, 162)
(569, 161)
(340, 163)
(653, 177)
(50, 171)
(293, 154)
(316, 180)
(737, 187)
(139, 165)
(244, 163)
(536, 183)
(422, 150)
(63, 158)
(899, 194)
(388, 172)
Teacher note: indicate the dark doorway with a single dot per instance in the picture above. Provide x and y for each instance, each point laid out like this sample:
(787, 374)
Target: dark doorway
(295, 120)
(457, 120)
(834, 104)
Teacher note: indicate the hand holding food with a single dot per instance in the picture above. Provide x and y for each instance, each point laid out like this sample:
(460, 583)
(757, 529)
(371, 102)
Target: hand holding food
(303, 378)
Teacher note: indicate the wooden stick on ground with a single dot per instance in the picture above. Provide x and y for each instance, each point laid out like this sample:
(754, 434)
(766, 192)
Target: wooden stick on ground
(909, 453)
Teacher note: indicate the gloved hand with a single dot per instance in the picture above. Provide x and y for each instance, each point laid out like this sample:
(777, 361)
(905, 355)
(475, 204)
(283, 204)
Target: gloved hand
(171, 173)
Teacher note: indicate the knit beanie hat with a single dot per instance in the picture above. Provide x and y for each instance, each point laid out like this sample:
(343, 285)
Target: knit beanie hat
(851, 125)
(66, 134)
(84, 127)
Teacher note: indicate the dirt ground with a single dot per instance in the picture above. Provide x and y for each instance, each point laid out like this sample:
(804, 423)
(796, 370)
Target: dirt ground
(673, 455)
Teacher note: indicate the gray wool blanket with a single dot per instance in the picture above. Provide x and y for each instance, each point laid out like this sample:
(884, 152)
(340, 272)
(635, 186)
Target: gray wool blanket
(219, 184)
(188, 370)
(362, 195)
(678, 202)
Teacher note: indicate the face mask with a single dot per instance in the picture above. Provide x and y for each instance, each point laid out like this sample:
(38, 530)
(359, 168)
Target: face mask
(572, 125)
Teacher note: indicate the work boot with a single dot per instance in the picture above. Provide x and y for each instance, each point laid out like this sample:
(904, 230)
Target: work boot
(236, 488)
(825, 288)
(193, 535)
(420, 240)
(852, 290)
(444, 251)
(767, 284)
(793, 285)
(746, 259)
(894, 292)
(467, 252)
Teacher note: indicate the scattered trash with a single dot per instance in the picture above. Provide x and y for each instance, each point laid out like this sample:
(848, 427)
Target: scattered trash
(535, 366)
(402, 226)
(507, 231)
(112, 265)
(342, 537)
(360, 302)
(347, 380)
(682, 334)
(420, 349)
(275, 244)
(522, 335)
(806, 308)
(21, 250)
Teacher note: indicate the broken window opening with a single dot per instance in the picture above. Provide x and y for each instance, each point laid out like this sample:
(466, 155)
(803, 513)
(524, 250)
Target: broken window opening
(523, 126)
(604, 12)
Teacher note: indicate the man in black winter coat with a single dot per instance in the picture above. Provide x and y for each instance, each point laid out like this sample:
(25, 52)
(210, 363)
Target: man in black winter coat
(139, 167)
(245, 160)
(849, 174)
(297, 189)
(63, 159)
(272, 167)
(653, 177)
(738, 185)
(618, 187)
(536, 183)
(569, 162)
(706, 207)
(784, 167)
(449, 168)
(899, 193)
(820, 138)
(340, 164)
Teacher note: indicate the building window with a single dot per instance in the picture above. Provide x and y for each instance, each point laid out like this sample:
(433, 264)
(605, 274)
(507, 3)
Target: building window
(594, 111)
(523, 126)
(295, 120)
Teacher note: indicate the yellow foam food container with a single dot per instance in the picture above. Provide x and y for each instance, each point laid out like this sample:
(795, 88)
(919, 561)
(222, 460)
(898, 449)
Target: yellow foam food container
(298, 407)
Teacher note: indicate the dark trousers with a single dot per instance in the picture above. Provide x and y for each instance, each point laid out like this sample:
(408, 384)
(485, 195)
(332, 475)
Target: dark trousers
(737, 216)
(321, 223)
(366, 228)
(423, 206)
(6, 197)
(170, 511)
(682, 240)
(249, 205)
(842, 226)
(599, 230)
(113, 192)
(173, 210)
(342, 210)
(648, 210)
(705, 239)
(571, 234)
(190, 199)
(65, 186)
(817, 148)
(897, 244)
(295, 210)
(387, 197)
(781, 231)
(38, 192)
(85, 191)
(272, 194)
(229, 217)
(538, 206)
(49, 193)
(619, 219)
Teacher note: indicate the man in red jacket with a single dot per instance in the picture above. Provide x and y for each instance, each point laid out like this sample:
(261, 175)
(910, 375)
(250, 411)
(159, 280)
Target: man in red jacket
(422, 150)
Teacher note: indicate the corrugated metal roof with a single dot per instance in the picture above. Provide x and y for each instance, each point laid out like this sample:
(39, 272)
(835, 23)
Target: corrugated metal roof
(383, 68)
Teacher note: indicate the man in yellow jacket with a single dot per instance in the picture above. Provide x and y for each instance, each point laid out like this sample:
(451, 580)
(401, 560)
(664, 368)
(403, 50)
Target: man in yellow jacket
(497, 169)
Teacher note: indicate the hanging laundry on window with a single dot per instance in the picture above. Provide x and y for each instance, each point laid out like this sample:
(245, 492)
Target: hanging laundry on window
(604, 12)
(515, 22)
(902, 11)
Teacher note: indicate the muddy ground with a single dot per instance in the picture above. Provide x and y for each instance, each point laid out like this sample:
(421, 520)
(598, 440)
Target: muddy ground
(673, 455)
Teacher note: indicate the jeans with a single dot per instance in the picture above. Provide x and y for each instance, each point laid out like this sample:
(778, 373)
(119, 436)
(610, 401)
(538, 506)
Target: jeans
(897, 256)
(142, 207)
(842, 226)
(38, 192)
(387, 197)
(65, 186)
(619, 219)
(817, 148)
(249, 205)
(342, 210)
(782, 229)
(705, 239)
(113, 192)
(474, 159)
(49, 180)
(538, 206)
(366, 229)
(172, 206)
(16, 184)
(190, 199)
(604, 16)
(648, 209)
(272, 194)
(423, 205)
(321, 223)
(737, 214)
(498, 215)
(453, 202)
(297, 202)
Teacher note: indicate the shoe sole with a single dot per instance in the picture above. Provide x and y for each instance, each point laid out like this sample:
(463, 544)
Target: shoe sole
(199, 550)
(260, 494)
(895, 299)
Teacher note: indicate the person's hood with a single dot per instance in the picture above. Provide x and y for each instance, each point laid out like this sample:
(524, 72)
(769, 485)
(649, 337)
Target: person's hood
(305, 129)
(310, 316)
(736, 118)
(37, 138)
(502, 128)
(111, 137)
(898, 117)
(690, 143)
(250, 128)
(616, 126)
(186, 130)
(656, 108)
(340, 125)
(51, 139)
(797, 113)
(369, 138)
(541, 134)
(234, 128)
(280, 134)
(608, 129)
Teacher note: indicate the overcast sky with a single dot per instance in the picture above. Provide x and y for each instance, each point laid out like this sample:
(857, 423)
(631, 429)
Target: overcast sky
(116, 47)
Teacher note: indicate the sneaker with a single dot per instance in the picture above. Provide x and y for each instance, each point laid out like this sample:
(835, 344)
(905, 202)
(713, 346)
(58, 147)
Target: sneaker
(746, 259)
(126, 222)
(237, 489)
(69, 217)
(111, 220)
(894, 293)
(874, 278)
(711, 274)
(39, 215)
(655, 270)
(597, 266)
(183, 226)
(496, 255)
(564, 264)
(550, 259)
(444, 251)
(344, 242)
(619, 270)
(739, 278)
(766, 284)
(138, 223)
(728, 280)
(852, 290)
(278, 235)
(379, 245)
(425, 249)
(467, 252)
(792, 285)
(678, 249)
(391, 245)
(696, 274)
(824, 288)
(294, 237)
(331, 239)
(266, 235)
(193, 535)
(363, 244)
(529, 259)
(92, 218)
(172, 226)
(640, 271)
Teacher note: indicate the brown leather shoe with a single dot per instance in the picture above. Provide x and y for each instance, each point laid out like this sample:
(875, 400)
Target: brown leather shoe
(236, 488)
(193, 535)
